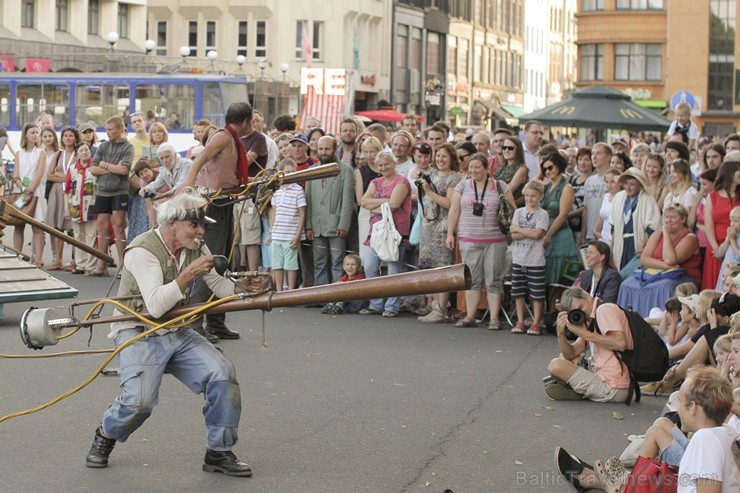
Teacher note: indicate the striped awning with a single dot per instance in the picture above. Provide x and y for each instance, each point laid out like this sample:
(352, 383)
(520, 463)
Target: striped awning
(328, 109)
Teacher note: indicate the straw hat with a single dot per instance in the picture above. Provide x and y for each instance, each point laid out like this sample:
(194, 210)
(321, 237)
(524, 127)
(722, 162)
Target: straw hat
(636, 174)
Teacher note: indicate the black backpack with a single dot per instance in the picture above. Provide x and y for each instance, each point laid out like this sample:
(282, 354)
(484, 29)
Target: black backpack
(648, 360)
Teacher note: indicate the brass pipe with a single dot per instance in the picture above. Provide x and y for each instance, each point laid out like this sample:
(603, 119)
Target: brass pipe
(441, 280)
(7, 209)
(312, 173)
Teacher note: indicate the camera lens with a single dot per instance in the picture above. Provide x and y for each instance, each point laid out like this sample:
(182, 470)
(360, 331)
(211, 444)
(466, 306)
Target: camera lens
(577, 317)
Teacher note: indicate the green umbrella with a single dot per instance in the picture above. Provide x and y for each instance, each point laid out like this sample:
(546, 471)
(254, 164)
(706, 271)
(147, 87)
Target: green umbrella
(599, 107)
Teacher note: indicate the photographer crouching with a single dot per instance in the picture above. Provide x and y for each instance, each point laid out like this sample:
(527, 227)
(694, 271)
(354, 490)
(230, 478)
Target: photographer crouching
(588, 367)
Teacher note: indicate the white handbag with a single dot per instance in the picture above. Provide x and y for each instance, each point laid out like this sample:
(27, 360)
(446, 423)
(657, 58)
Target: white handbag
(385, 238)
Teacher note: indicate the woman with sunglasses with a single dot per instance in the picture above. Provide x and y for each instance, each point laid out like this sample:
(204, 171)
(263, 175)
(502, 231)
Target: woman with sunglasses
(473, 215)
(514, 172)
(560, 246)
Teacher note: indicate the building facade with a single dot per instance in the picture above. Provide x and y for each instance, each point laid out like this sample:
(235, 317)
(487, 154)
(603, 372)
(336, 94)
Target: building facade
(661, 55)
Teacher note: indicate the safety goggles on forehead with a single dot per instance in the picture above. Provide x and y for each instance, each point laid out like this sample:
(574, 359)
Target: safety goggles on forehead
(198, 215)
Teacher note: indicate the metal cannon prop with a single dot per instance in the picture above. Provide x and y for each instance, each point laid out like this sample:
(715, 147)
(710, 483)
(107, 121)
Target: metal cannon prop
(42, 326)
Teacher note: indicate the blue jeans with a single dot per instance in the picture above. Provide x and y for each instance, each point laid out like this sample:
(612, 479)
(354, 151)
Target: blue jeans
(328, 257)
(192, 360)
(371, 263)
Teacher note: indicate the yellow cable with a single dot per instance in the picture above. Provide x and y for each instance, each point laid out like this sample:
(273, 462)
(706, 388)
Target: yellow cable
(54, 355)
(117, 350)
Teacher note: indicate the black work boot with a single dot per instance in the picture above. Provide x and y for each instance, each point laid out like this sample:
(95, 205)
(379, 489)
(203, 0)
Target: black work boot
(227, 463)
(212, 338)
(222, 331)
(100, 451)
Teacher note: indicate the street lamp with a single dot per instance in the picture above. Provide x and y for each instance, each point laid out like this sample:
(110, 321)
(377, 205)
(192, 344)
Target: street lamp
(149, 45)
(184, 52)
(284, 67)
(112, 39)
(212, 55)
(262, 64)
(240, 59)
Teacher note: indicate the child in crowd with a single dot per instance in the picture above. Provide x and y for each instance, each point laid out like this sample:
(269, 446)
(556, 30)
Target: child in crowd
(288, 216)
(683, 124)
(528, 228)
(147, 174)
(352, 272)
(730, 245)
(603, 228)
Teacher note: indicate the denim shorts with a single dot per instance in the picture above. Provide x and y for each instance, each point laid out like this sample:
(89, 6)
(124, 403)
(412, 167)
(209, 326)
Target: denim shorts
(673, 453)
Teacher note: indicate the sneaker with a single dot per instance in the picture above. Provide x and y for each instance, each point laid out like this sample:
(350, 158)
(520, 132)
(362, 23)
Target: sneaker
(337, 310)
(368, 311)
(227, 463)
(328, 308)
(423, 310)
(655, 388)
(389, 314)
(612, 474)
(559, 392)
(101, 448)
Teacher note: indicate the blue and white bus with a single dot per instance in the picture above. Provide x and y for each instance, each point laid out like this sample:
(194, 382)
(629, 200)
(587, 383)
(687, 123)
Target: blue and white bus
(75, 98)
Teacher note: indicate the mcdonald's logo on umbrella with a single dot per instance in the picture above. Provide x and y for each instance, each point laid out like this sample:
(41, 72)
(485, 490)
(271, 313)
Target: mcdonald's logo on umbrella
(564, 110)
(630, 113)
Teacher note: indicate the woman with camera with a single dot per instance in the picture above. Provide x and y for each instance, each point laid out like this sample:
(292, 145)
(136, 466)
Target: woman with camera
(435, 196)
(396, 191)
(514, 172)
(474, 209)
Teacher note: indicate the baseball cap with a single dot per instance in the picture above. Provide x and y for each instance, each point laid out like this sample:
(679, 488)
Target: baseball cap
(83, 127)
(620, 142)
(726, 305)
(690, 301)
(299, 137)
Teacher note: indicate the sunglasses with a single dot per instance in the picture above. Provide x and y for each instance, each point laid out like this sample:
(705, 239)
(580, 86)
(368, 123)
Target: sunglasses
(463, 156)
(508, 148)
(547, 168)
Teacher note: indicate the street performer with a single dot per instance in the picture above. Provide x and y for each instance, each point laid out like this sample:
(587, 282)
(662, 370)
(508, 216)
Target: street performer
(223, 164)
(160, 265)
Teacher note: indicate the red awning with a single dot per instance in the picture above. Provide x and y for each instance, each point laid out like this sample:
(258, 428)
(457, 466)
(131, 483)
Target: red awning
(386, 115)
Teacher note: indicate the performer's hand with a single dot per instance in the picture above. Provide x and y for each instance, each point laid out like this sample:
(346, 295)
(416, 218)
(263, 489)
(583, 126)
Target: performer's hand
(252, 284)
(201, 266)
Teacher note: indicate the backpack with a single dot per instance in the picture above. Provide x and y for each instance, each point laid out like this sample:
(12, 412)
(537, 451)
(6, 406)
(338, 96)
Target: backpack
(648, 360)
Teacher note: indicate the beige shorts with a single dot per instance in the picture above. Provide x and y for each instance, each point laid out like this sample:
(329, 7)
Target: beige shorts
(592, 388)
(486, 261)
(250, 229)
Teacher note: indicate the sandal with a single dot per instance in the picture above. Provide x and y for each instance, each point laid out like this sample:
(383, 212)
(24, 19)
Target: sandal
(493, 325)
(97, 273)
(56, 267)
(70, 267)
(466, 322)
(519, 328)
(534, 330)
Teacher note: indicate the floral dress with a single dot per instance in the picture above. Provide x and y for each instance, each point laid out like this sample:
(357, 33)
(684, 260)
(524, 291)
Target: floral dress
(506, 174)
(432, 249)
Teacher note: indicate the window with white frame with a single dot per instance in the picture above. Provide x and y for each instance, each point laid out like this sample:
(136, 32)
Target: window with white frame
(28, 13)
(592, 62)
(193, 37)
(635, 61)
(301, 27)
(93, 17)
(210, 36)
(318, 37)
(639, 4)
(123, 20)
(592, 5)
(242, 38)
(62, 14)
(260, 42)
(161, 37)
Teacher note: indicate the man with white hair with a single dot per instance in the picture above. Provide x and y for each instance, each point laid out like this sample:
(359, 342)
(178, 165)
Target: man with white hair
(158, 268)
(172, 173)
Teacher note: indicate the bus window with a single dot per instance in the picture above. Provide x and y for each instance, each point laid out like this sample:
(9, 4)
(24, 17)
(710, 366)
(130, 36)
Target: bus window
(4, 105)
(33, 99)
(159, 101)
(99, 102)
(213, 106)
(234, 93)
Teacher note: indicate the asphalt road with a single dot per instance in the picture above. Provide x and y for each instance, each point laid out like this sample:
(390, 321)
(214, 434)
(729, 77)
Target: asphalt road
(340, 404)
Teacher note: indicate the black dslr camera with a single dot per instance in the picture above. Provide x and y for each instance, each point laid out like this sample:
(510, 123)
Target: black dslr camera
(478, 208)
(149, 195)
(423, 177)
(576, 317)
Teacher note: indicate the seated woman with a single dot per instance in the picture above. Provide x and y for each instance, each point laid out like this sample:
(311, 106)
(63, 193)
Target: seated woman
(600, 279)
(682, 251)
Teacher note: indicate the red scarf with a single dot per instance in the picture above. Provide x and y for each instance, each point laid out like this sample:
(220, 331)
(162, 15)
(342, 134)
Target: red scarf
(242, 163)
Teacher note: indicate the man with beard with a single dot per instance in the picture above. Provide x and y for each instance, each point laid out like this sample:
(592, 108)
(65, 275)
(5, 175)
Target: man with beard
(348, 135)
(330, 206)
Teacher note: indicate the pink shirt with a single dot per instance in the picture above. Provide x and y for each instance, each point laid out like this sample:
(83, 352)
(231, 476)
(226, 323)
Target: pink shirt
(608, 368)
(402, 215)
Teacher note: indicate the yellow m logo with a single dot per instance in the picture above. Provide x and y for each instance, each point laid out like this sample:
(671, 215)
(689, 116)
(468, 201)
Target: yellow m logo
(564, 110)
(630, 113)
